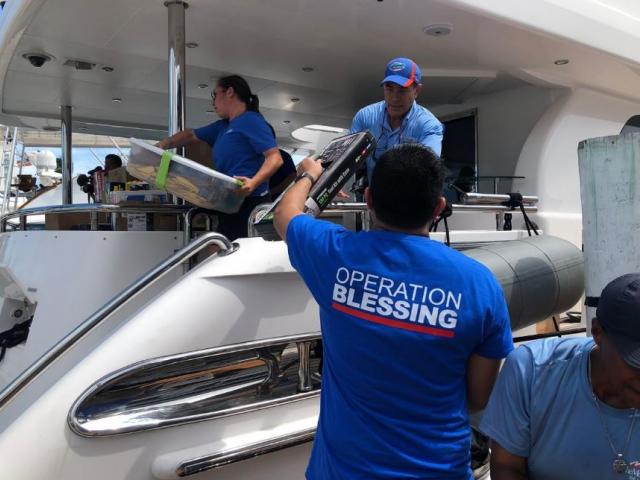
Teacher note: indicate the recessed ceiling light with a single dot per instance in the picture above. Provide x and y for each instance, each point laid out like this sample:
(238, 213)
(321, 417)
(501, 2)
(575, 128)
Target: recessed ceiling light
(286, 121)
(191, 45)
(116, 100)
(107, 68)
(324, 128)
(203, 85)
(438, 29)
(307, 69)
(295, 99)
(562, 61)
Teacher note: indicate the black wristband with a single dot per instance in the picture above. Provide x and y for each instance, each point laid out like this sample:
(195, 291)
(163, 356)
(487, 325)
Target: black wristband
(311, 178)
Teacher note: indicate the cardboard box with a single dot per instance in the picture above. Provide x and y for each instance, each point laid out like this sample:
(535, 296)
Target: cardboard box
(137, 197)
(138, 221)
(164, 222)
(67, 221)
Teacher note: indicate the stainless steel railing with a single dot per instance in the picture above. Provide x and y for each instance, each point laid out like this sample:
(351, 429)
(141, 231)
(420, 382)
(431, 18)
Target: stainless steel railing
(183, 212)
(484, 208)
(494, 199)
(219, 459)
(148, 279)
(331, 210)
(362, 209)
(92, 209)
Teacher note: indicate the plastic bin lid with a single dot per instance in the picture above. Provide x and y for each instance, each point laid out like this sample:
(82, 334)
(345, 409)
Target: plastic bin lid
(186, 179)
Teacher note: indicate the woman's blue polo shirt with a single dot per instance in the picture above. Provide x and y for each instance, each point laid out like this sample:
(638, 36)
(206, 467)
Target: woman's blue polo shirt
(238, 145)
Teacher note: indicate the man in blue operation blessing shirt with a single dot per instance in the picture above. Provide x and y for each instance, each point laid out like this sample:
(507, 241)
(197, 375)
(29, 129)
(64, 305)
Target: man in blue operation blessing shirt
(568, 408)
(412, 330)
(398, 118)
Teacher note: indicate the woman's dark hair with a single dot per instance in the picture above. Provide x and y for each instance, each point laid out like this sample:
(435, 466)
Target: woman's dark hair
(242, 89)
(406, 184)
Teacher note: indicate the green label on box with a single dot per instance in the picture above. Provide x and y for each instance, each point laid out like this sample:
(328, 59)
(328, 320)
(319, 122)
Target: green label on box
(163, 170)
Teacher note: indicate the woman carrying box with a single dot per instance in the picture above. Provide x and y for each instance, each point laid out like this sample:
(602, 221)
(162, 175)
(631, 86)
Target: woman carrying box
(241, 144)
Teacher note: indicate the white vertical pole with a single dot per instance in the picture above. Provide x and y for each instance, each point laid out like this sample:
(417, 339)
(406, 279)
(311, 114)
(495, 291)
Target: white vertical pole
(610, 193)
(15, 204)
(7, 181)
(3, 165)
(177, 66)
(67, 145)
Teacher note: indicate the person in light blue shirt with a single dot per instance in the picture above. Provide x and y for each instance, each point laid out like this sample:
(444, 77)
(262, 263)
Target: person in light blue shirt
(398, 118)
(567, 409)
(412, 330)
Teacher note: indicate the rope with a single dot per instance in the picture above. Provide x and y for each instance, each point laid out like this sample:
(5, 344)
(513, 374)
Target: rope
(446, 213)
(515, 201)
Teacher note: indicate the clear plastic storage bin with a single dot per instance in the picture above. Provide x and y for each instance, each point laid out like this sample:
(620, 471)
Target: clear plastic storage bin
(186, 179)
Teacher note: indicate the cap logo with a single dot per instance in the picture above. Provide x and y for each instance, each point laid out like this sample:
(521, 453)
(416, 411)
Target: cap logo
(396, 67)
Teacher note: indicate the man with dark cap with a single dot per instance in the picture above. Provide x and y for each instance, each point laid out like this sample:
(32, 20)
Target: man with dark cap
(398, 118)
(568, 408)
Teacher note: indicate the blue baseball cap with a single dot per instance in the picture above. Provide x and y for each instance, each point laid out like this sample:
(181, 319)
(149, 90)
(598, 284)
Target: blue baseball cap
(402, 71)
(619, 316)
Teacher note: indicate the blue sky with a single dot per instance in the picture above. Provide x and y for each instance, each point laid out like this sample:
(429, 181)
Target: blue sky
(82, 158)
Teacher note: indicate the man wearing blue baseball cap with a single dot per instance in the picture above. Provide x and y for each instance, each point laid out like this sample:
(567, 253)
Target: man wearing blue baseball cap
(398, 118)
(568, 408)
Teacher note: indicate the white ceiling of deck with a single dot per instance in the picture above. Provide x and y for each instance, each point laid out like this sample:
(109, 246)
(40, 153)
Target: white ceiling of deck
(346, 42)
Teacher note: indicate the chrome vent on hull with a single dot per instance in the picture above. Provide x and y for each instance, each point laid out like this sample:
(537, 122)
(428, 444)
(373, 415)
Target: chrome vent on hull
(201, 385)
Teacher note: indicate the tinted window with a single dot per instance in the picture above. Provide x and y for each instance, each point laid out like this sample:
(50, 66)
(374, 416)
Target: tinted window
(632, 125)
(459, 154)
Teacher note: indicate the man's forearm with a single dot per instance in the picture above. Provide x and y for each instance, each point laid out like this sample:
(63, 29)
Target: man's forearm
(292, 204)
(481, 376)
(506, 465)
(297, 195)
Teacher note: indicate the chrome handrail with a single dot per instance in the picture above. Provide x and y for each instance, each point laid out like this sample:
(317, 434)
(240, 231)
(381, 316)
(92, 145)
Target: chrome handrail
(332, 209)
(485, 208)
(490, 208)
(111, 306)
(359, 207)
(23, 213)
(494, 199)
(216, 460)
